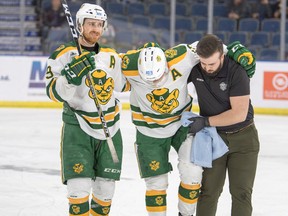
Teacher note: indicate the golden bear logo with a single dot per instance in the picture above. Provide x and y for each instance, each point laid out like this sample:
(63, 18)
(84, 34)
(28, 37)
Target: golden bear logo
(78, 168)
(159, 200)
(193, 194)
(154, 165)
(170, 53)
(162, 101)
(75, 209)
(125, 62)
(105, 210)
(104, 87)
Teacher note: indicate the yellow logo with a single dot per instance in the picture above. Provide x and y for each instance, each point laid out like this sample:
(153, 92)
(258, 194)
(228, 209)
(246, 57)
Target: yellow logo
(158, 58)
(104, 86)
(76, 209)
(78, 168)
(105, 210)
(125, 62)
(170, 53)
(154, 165)
(162, 101)
(159, 200)
(193, 194)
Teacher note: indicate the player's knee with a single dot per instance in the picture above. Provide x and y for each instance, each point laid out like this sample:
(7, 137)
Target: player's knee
(159, 182)
(78, 187)
(189, 172)
(184, 151)
(103, 188)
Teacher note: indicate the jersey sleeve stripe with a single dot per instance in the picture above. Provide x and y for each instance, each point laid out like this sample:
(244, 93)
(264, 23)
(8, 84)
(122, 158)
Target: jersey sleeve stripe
(108, 117)
(52, 93)
(176, 60)
(131, 72)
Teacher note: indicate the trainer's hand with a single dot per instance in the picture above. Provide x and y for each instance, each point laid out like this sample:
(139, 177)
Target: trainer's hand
(198, 124)
(79, 67)
(243, 56)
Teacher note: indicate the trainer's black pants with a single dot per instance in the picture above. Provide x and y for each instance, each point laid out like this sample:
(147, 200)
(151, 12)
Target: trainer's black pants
(240, 163)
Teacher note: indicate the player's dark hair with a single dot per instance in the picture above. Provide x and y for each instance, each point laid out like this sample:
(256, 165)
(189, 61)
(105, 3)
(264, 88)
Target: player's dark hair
(208, 45)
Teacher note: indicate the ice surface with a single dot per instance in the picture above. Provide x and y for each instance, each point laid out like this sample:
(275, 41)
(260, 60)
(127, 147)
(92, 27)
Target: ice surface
(30, 182)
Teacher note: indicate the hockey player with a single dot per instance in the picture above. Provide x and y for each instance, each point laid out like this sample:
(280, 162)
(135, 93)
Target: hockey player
(86, 162)
(159, 95)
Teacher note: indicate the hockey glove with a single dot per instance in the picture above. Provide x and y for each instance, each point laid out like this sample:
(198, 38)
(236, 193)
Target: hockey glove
(79, 67)
(243, 56)
(198, 124)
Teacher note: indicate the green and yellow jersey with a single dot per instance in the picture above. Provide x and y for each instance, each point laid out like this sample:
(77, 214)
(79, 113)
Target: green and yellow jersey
(79, 106)
(157, 112)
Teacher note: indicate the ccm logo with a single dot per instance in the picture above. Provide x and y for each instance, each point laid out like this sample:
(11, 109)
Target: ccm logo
(109, 170)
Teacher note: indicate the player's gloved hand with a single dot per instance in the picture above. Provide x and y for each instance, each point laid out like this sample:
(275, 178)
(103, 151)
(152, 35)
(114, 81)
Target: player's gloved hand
(79, 67)
(198, 124)
(243, 56)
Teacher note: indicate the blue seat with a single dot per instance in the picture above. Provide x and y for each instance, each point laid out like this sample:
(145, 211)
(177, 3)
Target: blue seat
(181, 9)
(193, 36)
(140, 21)
(74, 7)
(222, 35)
(124, 38)
(261, 39)
(157, 9)
(226, 24)
(220, 10)
(249, 24)
(163, 37)
(239, 36)
(270, 54)
(276, 39)
(270, 25)
(199, 10)
(115, 8)
(144, 36)
(58, 34)
(183, 24)
(135, 8)
(119, 22)
(201, 24)
(161, 23)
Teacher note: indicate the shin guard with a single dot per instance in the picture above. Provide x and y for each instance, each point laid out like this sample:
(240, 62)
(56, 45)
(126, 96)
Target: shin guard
(156, 202)
(79, 206)
(99, 207)
(188, 197)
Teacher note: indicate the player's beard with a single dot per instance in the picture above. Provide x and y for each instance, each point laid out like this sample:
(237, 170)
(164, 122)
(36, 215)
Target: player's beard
(91, 37)
(214, 73)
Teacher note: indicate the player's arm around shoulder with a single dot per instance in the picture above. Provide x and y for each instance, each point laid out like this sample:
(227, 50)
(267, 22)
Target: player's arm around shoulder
(182, 53)
(130, 63)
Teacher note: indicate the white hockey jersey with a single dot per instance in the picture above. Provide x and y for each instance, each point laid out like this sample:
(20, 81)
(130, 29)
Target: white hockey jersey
(78, 100)
(157, 112)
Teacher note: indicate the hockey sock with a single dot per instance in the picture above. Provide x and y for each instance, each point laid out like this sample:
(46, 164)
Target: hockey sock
(79, 206)
(99, 207)
(156, 201)
(188, 193)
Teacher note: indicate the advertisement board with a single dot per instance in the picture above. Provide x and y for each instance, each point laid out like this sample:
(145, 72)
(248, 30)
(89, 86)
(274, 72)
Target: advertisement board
(22, 83)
